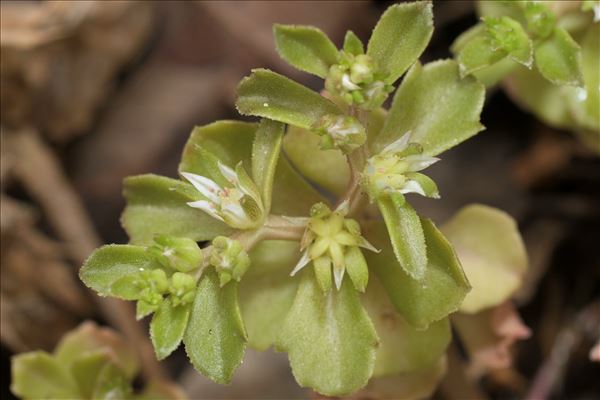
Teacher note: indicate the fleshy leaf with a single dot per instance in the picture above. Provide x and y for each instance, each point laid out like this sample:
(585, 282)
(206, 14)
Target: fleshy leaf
(157, 205)
(111, 383)
(329, 339)
(37, 375)
(228, 141)
(507, 34)
(491, 252)
(439, 293)
(265, 155)
(327, 169)
(400, 37)
(477, 51)
(436, 86)
(558, 59)
(270, 95)
(402, 348)
(267, 286)
(88, 337)
(306, 48)
(215, 339)
(167, 327)
(406, 235)
(352, 44)
(86, 369)
(111, 263)
(419, 384)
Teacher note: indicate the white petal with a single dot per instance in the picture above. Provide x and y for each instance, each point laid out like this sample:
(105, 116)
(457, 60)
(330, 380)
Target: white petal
(343, 208)
(338, 276)
(207, 187)
(418, 162)
(398, 145)
(236, 211)
(366, 245)
(304, 260)
(348, 84)
(207, 207)
(413, 187)
(228, 173)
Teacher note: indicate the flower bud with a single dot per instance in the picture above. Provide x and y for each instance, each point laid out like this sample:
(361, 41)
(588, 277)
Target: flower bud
(179, 253)
(229, 258)
(340, 131)
(182, 288)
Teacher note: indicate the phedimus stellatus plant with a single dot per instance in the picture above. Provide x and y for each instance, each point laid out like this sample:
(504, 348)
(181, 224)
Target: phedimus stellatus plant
(297, 231)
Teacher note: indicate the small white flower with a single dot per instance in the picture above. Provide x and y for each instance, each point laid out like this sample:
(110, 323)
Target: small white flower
(396, 170)
(239, 206)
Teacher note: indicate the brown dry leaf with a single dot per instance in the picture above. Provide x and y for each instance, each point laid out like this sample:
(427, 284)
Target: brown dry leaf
(58, 59)
(489, 335)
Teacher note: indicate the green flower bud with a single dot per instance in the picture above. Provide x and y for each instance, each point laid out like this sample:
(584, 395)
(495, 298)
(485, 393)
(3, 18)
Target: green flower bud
(182, 288)
(179, 253)
(229, 259)
(355, 80)
(340, 131)
(540, 20)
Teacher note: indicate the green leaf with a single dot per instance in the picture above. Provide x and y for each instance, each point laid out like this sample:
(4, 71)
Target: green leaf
(270, 95)
(267, 291)
(419, 384)
(111, 383)
(477, 51)
(438, 107)
(439, 293)
(157, 205)
(353, 45)
(491, 252)
(108, 264)
(558, 59)
(327, 169)
(265, 155)
(167, 327)
(306, 48)
(227, 141)
(406, 235)
(329, 339)
(507, 34)
(37, 375)
(402, 348)
(85, 370)
(215, 339)
(89, 338)
(400, 37)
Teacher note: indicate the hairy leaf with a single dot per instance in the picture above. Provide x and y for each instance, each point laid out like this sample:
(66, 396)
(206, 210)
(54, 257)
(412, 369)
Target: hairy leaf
(438, 107)
(439, 293)
(270, 95)
(306, 48)
(215, 339)
(558, 59)
(110, 263)
(400, 37)
(167, 327)
(491, 252)
(157, 205)
(406, 235)
(329, 338)
(265, 155)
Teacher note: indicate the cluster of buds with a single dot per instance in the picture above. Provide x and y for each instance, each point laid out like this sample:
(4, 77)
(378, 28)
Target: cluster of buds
(356, 81)
(153, 285)
(341, 132)
(229, 258)
(178, 253)
(394, 172)
(182, 288)
(330, 240)
(239, 206)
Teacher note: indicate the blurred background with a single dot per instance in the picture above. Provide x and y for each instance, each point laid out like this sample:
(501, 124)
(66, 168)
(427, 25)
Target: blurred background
(93, 91)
